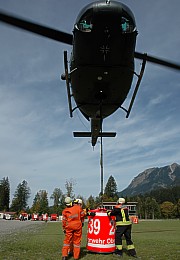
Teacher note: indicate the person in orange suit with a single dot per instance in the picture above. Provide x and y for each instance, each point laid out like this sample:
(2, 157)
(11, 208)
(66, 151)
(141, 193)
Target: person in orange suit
(76, 202)
(86, 213)
(72, 217)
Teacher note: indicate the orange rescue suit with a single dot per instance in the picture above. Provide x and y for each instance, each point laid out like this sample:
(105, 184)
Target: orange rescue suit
(72, 218)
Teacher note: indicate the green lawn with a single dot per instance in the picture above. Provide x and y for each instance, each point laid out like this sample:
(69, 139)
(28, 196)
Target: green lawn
(152, 239)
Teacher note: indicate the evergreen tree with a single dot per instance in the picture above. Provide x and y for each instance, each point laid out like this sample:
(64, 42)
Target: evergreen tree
(140, 207)
(36, 204)
(91, 203)
(98, 201)
(40, 202)
(4, 194)
(44, 205)
(57, 197)
(152, 208)
(110, 191)
(171, 194)
(21, 196)
(147, 207)
(177, 210)
(155, 209)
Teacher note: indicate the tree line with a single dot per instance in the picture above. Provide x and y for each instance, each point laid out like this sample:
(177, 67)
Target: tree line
(161, 203)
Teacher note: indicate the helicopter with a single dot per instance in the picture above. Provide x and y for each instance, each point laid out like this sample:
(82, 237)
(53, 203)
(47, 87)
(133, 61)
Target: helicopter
(101, 69)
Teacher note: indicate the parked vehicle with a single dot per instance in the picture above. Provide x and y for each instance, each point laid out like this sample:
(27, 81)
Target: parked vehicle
(9, 216)
(53, 217)
(45, 217)
(35, 217)
(23, 216)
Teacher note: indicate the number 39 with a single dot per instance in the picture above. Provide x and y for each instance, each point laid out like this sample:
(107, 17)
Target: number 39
(94, 226)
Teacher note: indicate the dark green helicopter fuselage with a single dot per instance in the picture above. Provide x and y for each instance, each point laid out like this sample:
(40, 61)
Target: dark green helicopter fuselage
(102, 59)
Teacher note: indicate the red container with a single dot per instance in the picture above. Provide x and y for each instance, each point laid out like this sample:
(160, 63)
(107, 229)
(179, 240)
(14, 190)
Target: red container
(101, 232)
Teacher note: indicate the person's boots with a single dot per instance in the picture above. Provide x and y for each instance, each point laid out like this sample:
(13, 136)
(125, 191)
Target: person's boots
(118, 253)
(64, 258)
(132, 252)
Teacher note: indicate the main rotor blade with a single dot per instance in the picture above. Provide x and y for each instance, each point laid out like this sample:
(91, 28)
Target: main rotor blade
(66, 37)
(36, 28)
(158, 61)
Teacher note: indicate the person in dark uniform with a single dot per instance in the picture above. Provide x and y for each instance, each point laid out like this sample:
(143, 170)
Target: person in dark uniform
(123, 227)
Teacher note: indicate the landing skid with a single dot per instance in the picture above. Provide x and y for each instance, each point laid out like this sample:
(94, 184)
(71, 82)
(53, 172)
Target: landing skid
(136, 87)
(66, 77)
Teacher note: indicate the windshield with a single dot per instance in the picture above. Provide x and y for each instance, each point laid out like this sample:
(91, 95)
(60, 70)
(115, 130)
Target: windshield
(84, 25)
(126, 25)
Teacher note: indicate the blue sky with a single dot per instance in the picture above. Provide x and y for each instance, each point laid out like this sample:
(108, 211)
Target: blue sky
(36, 141)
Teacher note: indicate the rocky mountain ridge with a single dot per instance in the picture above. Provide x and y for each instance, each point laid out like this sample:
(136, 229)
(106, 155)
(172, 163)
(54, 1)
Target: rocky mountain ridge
(154, 178)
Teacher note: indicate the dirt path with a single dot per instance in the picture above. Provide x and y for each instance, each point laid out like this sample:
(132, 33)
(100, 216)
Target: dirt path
(8, 227)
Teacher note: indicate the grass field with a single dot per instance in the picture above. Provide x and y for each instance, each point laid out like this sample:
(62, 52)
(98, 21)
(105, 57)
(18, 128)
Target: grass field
(152, 239)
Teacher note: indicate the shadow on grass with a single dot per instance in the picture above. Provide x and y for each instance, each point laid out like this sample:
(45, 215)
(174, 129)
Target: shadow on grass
(85, 252)
(153, 231)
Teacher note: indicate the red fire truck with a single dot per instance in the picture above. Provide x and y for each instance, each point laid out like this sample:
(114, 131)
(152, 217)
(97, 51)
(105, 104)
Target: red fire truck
(35, 216)
(53, 217)
(45, 217)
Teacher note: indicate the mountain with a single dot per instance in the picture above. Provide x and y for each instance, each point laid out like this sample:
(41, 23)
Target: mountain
(154, 178)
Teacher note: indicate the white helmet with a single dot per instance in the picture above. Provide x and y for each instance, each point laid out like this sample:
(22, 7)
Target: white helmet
(68, 201)
(79, 201)
(121, 201)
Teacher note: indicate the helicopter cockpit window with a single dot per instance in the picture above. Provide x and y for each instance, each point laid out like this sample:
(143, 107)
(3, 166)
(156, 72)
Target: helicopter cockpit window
(84, 25)
(126, 25)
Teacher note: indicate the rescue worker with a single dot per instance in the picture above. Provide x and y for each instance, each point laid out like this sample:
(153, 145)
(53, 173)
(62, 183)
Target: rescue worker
(86, 211)
(72, 217)
(123, 227)
(79, 203)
